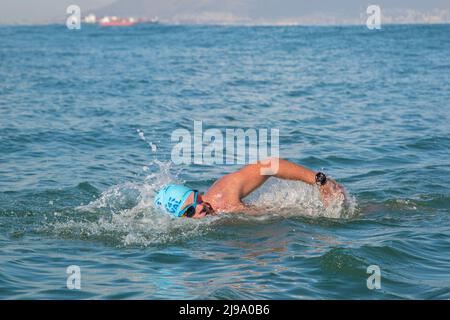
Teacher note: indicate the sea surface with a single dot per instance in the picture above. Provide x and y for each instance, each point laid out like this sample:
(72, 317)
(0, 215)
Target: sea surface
(86, 120)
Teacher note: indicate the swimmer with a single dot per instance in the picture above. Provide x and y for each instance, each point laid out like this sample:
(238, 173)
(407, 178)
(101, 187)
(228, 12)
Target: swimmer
(226, 194)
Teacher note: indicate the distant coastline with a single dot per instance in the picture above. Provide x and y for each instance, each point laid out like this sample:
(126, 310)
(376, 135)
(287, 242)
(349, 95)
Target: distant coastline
(38, 24)
(389, 16)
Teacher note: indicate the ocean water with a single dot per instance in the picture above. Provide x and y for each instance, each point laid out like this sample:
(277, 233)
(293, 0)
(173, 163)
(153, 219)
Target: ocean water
(86, 119)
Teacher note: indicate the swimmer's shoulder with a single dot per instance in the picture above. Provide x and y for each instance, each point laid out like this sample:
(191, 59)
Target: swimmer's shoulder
(224, 187)
(223, 196)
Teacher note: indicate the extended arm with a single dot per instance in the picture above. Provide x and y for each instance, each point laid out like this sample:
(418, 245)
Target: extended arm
(250, 177)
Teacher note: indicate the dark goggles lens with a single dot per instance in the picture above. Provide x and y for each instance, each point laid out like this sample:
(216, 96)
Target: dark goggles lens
(190, 211)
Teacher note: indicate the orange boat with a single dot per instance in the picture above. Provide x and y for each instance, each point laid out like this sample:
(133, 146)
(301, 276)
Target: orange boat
(114, 21)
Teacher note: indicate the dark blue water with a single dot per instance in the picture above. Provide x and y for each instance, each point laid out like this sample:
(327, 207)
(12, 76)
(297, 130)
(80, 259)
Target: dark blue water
(79, 111)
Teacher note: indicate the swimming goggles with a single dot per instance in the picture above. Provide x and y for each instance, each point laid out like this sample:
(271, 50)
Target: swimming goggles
(189, 211)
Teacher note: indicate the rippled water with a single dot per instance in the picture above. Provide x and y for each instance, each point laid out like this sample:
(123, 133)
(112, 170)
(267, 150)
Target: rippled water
(85, 124)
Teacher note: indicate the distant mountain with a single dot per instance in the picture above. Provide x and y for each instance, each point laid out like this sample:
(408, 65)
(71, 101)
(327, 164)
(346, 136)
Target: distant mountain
(231, 11)
(171, 9)
(228, 11)
(237, 11)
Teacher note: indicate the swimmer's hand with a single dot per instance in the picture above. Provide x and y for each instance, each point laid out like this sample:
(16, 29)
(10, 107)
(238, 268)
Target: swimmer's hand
(331, 191)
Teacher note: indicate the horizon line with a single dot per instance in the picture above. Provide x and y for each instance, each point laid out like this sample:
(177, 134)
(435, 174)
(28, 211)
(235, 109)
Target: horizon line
(41, 24)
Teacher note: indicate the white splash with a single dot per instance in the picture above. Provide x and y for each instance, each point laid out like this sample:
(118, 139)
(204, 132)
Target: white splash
(151, 145)
(295, 198)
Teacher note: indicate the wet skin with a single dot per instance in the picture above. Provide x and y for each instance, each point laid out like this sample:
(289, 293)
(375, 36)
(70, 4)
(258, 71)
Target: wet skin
(226, 194)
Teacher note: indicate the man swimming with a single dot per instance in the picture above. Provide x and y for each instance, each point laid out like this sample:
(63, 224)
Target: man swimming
(226, 194)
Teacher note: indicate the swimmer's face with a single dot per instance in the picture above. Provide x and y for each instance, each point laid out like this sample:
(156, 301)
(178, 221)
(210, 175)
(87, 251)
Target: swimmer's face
(202, 209)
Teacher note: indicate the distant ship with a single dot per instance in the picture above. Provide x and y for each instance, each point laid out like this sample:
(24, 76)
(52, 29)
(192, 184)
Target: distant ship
(114, 21)
(110, 21)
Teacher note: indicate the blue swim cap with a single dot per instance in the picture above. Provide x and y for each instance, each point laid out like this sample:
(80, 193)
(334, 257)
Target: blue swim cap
(171, 198)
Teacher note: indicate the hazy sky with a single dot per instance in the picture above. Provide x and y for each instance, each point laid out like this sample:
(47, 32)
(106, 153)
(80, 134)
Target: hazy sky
(41, 10)
(46, 10)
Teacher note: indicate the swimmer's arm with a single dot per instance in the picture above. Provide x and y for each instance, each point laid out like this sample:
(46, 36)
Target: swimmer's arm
(252, 176)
